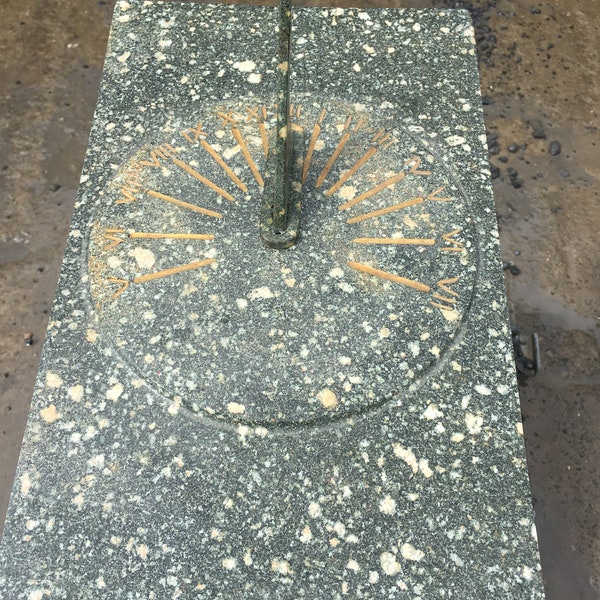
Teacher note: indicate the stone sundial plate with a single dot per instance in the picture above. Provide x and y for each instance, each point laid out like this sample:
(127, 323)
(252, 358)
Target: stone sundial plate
(217, 419)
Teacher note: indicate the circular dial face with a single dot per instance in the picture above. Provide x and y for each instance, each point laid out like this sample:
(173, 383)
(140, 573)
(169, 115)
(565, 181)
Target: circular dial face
(370, 296)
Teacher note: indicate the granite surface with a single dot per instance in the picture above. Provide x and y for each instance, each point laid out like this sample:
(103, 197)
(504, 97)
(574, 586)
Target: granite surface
(216, 419)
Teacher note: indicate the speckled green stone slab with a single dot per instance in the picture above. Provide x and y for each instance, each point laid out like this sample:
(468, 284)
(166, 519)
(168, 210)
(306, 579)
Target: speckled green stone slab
(218, 419)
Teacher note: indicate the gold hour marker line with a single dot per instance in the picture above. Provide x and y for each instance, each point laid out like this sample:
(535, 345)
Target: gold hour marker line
(445, 299)
(452, 249)
(171, 236)
(224, 165)
(109, 234)
(350, 172)
(434, 196)
(442, 306)
(207, 182)
(343, 141)
(239, 138)
(316, 132)
(182, 204)
(415, 285)
(384, 211)
(444, 283)
(158, 275)
(393, 241)
(456, 246)
(373, 191)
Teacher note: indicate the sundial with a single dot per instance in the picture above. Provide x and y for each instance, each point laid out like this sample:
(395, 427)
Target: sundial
(279, 359)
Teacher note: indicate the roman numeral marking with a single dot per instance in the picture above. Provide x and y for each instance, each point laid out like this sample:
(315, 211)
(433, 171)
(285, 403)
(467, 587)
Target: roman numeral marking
(182, 204)
(455, 245)
(113, 238)
(415, 285)
(446, 303)
(164, 151)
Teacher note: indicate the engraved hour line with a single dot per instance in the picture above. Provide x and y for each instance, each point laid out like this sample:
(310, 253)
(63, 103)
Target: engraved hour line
(455, 246)
(449, 303)
(343, 141)
(199, 135)
(260, 119)
(363, 160)
(111, 234)
(415, 285)
(207, 182)
(182, 204)
(124, 283)
(415, 162)
(397, 207)
(316, 132)
(228, 119)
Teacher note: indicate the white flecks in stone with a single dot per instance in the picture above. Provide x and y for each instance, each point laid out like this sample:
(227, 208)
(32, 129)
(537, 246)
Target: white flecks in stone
(373, 577)
(457, 437)
(229, 563)
(123, 18)
(31, 524)
(78, 500)
(306, 535)
(527, 573)
(25, 484)
(50, 414)
(76, 393)
(281, 566)
(53, 380)
(254, 78)
(345, 360)
(160, 56)
(36, 595)
(334, 542)
(174, 406)
(347, 192)
(415, 348)
(503, 389)
(455, 140)
(353, 566)
(248, 558)
(464, 403)
(424, 468)
(483, 390)
(407, 456)
(114, 392)
(144, 258)
(96, 462)
(389, 564)
(369, 50)
(184, 79)
(474, 423)
(416, 27)
(435, 350)
(290, 282)
(384, 333)
(142, 551)
(456, 366)
(261, 293)
(242, 303)
(123, 58)
(356, 67)
(246, 66)
(327, 398)
(519, 427)
(100, 583)
(387, 505)
(409, 552)
(352, 539)
(314, 510)
(235, 408)
(432, 412)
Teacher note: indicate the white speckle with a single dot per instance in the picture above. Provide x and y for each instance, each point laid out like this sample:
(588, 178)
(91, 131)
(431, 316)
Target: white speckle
(457, 437)
(314, 510)
(387, 505)
(229, 563)
(345, 360)
(290, 282)
(261, 292)
(464, 403)
(254, 78)
(336, 273)
(235, 408)
(483, 390)
(165, 43)
(424, 468)
(391, 50)
(435, 350)
(519, 428)
(246, 66)
(414, 348)
(416, 27)
(474, 423)
(466, 107)
(114, 392)
(281, 566)
(455, 140)
(144, 257)
(534, 532)
(407, 456)
(369, 50)
(96, 461)
(124, 5)
(242, 303)
(432, 412)
(306, 535)
(389, 564)
(36, 595)
(184, 79)
(353, 566)
(384, 333)
(142, 551)
(100, 583)
(76, 393)
(25, 484)
(248, 558)
(356, 67)
(456, 366)
(31, 524)
(78, 500)
(373, 576)
(527, 573)
(123, 58)
(503, 389)
(159, 56)
(123, 18)
(53, 380)
(174, 406)
(50, 414)
(409, 552)
(327, 398)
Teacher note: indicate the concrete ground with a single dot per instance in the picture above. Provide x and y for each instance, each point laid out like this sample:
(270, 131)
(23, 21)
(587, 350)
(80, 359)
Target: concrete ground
(540, 71)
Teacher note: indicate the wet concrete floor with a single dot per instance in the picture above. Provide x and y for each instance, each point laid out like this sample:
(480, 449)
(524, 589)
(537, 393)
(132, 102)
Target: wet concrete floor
(540, 85)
